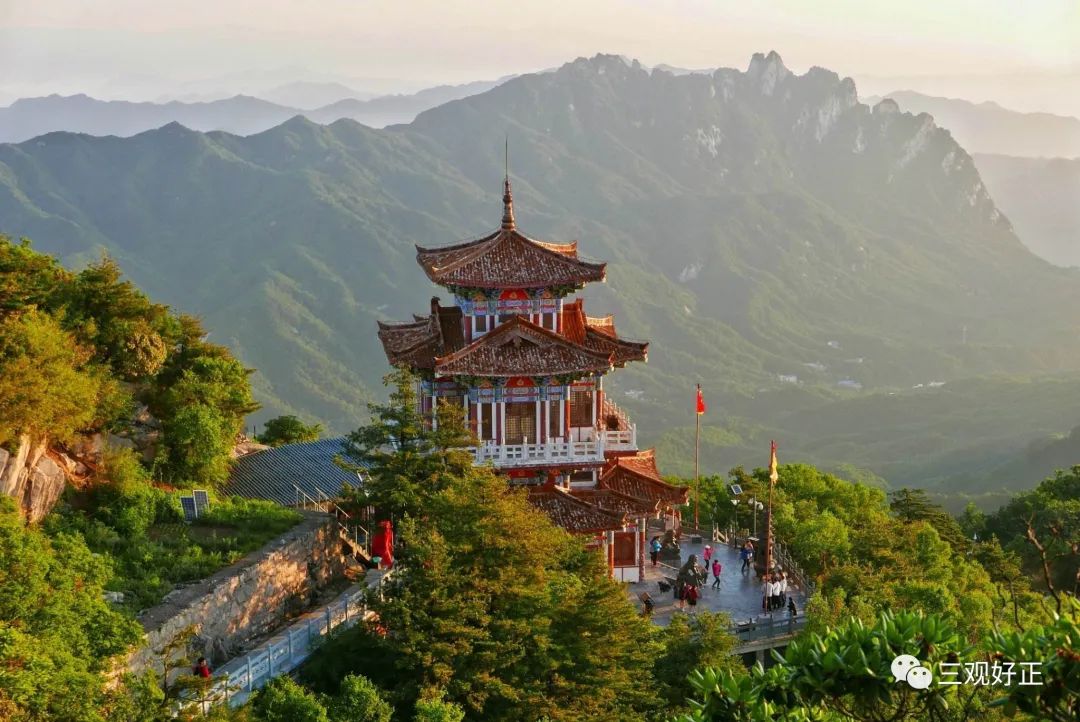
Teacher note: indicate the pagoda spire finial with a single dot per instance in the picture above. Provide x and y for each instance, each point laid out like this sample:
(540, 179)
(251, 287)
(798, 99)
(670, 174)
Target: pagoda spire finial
(508, 198)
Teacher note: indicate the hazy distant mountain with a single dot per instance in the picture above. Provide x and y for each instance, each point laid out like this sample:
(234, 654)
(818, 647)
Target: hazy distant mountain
(30, 117)
(392, 109)
(1041, 196)
(309, 95)
(990, 128)
(775, 239)
(241, 115)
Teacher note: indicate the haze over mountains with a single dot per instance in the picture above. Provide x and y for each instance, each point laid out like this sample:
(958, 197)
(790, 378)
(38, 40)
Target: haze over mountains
(803, 255)
(989, 128)
(243, 115)
(1029, 163)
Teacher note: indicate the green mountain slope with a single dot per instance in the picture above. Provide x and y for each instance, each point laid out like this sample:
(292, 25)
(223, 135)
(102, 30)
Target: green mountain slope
(757, 224)
(1041, 196)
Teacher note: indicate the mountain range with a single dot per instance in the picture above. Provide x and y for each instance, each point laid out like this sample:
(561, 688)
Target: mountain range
(1041, 196)
(809, 259)
(242, 115)
(989, 128)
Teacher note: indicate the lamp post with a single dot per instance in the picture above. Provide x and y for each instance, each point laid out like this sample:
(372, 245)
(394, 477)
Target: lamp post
(735, 506)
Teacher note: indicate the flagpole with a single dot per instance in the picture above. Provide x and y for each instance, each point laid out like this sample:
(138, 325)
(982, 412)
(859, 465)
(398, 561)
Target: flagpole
(768, 509)
(697, 452)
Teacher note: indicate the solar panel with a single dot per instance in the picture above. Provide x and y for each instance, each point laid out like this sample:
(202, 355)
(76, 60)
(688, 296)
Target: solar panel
(202, 502)
(191, 512)
(736, 489)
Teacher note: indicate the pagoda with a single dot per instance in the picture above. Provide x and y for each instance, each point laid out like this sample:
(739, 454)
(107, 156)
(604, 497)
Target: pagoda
(526, 367)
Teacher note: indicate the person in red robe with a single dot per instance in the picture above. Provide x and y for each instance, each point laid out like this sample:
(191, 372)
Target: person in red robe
(382, 544)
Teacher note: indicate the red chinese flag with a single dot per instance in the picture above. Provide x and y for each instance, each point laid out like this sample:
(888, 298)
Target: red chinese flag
(700, 401)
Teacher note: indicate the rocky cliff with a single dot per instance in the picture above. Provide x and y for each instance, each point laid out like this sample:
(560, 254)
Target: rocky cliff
(34, 476)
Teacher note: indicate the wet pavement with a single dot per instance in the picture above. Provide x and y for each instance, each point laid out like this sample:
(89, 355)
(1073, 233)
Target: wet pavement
(739, 594)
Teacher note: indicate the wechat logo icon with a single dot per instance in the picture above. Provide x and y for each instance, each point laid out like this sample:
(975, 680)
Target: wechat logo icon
(908, 669)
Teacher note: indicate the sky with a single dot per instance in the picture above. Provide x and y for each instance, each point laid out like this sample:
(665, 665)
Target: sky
(1022, 53)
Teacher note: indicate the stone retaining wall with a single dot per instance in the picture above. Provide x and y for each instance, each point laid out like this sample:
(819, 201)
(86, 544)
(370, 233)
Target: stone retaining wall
(247, 600)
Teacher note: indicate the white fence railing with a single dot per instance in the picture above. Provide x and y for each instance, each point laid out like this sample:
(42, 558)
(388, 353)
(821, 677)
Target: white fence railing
(234, 682)
(552, 451)
(622, 440)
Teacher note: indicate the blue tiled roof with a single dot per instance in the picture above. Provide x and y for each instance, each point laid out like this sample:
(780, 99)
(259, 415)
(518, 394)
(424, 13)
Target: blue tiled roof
(272, 474)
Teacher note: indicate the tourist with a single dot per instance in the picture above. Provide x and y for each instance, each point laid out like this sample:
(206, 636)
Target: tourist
(783, 591)
(681, 594)
(791, 606)
(766, 591)
(747, 555)
(716, 569)
(202, 668)
(654, 549)
(776, 594)
(707, 554)
(692, 597)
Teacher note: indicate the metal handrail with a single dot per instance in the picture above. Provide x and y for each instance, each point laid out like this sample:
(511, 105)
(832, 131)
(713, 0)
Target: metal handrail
(348, 530)
(283, 653)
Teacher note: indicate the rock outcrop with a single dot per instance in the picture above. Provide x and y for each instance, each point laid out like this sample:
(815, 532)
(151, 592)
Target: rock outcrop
(32, 477)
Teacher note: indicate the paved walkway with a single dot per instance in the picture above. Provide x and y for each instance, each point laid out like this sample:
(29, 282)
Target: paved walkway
(739, 594)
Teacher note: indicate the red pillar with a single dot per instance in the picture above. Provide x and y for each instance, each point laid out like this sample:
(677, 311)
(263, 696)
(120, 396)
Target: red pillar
(641, 549)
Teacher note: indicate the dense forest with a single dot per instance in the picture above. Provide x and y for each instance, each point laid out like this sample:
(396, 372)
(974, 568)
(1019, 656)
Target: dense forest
(492, 613)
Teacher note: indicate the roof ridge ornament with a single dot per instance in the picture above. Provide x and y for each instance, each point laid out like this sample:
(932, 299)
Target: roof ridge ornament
(508, 198)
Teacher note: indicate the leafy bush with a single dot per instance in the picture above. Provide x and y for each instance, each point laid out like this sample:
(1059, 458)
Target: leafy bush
(288, 430)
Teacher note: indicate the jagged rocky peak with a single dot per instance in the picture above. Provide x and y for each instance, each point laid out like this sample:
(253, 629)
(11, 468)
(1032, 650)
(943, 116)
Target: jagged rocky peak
(606, 64)
(887, 106)
(768, 70)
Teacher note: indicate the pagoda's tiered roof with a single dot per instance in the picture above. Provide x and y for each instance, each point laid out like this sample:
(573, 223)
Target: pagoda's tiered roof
(617, 502)
(573, 514)
(519, 347)
(508, 258)
(598, 334)
(636, 476)
(417, 344)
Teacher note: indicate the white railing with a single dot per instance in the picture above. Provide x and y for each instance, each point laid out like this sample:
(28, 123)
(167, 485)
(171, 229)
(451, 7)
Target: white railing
(622, 440)
(552, 451)
(234, 682)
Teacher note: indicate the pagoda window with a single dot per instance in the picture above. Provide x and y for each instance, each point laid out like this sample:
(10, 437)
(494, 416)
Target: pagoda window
(520, 423)
(480, 325)
(555, 420)
(485, 420)
(581, 408)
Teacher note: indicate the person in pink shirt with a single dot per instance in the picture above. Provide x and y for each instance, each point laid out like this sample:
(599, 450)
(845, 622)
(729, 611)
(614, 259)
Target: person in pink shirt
(707, 555)
(716, 569)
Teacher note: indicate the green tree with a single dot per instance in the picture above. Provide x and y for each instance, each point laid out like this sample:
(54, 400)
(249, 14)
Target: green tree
(1047, 517)
(404, 460)
(912, 505)
(283, 700)
(57, 634)
(128, 332)
(28, 279)
(689, 643)
(358, 700)
(196, 444)
(436, 709)
(283, 430)
(48, 387)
